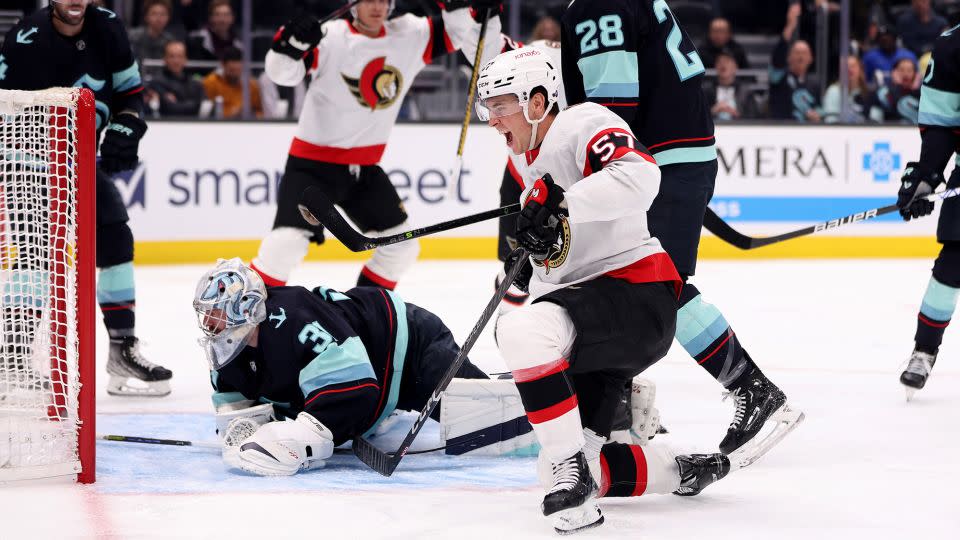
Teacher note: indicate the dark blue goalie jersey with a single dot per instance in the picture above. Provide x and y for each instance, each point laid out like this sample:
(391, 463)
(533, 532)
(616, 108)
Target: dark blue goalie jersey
(338, 356)
(35, 57)
(633, 57)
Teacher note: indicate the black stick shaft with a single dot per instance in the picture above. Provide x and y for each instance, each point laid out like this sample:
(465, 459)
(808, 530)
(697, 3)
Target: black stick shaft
(728, 234)
(385, 463)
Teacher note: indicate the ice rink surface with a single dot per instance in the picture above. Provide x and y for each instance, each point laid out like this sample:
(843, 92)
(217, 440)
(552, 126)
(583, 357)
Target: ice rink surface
(833, 334)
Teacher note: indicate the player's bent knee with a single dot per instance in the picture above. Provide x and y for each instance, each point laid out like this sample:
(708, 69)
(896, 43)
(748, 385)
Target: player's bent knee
(535, 335)
(946, 269)
(114, 245)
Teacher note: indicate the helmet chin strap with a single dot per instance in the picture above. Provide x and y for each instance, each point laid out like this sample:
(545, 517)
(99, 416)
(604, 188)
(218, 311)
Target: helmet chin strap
(534, 124)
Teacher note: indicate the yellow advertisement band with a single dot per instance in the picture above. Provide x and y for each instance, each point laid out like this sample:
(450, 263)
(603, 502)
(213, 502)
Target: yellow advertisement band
(711, 248)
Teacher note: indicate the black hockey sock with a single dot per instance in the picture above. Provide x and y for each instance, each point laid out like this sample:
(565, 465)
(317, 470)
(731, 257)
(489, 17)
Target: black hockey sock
(624, 470)
(707, 337)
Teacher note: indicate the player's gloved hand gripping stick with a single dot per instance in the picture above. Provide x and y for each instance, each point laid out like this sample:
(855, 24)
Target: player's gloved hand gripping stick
(317, 209)
(386, 462)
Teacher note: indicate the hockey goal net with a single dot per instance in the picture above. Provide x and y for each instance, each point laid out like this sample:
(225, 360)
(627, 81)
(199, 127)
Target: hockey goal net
(47, 257)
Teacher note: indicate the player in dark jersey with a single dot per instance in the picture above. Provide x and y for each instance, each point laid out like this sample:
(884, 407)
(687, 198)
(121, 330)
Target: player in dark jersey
(939, 121)
(633, 57)
(340, 363)
(76, 44)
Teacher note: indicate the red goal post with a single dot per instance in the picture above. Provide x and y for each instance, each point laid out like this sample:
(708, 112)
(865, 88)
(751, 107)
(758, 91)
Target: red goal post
(47, 284)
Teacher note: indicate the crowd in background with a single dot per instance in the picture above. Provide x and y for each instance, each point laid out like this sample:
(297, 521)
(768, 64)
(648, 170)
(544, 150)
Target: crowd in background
(192, 56)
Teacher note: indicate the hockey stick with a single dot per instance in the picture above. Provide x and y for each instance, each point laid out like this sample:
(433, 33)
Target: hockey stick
(468, 112)
(166, 442)
(728, 234)
(385, 462)
(317, 209)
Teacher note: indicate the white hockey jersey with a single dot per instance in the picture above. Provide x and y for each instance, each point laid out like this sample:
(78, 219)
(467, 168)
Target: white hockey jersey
(610, 181)
(517, 163)
(358, 83)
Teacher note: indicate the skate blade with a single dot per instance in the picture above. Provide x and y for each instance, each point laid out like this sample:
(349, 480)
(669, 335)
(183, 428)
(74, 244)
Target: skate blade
(581, 518)
(784, 420)
(131, 387)
(910, 391)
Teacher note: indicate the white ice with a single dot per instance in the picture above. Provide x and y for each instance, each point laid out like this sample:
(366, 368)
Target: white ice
(833, 334)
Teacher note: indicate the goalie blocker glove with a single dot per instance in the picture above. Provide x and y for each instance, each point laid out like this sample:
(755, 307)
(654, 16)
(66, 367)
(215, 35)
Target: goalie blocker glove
(298, 36)
(283, 448)
(915, 184)
(121, 140)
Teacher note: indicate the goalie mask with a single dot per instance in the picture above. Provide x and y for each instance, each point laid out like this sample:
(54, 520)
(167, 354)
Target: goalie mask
(518, 73)
(230, 303)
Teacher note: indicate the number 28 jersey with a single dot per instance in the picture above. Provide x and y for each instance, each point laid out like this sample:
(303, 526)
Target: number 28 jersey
(633, 57)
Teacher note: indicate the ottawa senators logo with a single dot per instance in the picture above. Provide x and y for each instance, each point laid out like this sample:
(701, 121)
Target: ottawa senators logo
(379, 85)
(557, 254)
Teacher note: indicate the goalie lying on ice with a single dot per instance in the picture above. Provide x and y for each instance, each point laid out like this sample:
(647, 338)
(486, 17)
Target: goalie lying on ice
(337, 363)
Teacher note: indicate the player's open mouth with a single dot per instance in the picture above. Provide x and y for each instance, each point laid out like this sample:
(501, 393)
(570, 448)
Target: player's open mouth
(509, 136)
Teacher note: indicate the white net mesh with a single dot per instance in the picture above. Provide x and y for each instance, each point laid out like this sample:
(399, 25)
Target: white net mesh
(39, 380)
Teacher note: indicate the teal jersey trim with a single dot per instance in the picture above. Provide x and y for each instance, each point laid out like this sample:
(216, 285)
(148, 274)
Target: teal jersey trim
(126, 79)
(399, 357)
(940, 301)
(115, 284)
(698, 325)
(225, 398)
(337, 364)
(939, 107)
(329, 294)
(611, 74)
(695, 154)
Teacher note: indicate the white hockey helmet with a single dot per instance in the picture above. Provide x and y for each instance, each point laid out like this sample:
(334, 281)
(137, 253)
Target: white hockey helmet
(393, 4)
(518, 72)
(230, 302)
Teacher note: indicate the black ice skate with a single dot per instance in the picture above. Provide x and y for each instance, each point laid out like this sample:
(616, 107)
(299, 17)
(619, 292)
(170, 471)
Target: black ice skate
(761, 420)
(133, 375)
(572, 499)
(698, 471)
(918, 371)
(755, 399)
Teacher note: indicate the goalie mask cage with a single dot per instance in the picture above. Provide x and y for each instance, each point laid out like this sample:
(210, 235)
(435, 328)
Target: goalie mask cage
(47, 287)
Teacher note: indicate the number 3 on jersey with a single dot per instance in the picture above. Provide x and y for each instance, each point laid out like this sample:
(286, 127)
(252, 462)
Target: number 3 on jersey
(688, 65)
(611, 33)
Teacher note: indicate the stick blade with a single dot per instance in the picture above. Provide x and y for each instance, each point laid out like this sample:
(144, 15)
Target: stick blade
(317, 209)
(373, 457)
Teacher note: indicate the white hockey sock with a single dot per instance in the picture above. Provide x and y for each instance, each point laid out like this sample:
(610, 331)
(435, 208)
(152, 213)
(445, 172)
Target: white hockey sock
(535, 342)
(389, 263)
(280, 252)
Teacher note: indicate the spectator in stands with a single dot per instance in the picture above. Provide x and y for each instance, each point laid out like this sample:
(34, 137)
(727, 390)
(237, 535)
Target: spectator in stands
(720, 38)
(211, 41)
(174, 92)
(919, 26)
(225, 83)
(859, 96)
(281, 101)
(898, 100)
(547, 28)
(878, 62)
(794, 92)
(148, 41)
(728, 97)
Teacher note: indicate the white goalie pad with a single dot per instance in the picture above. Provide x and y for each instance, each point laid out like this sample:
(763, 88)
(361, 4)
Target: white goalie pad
(779, 425)
(485, 417)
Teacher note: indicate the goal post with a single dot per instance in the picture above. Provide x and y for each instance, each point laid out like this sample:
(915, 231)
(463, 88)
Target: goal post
(47, 284)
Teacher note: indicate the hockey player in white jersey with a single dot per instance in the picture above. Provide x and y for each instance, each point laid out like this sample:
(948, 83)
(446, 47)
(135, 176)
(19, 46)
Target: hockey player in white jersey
(603, 291)
(360, 72)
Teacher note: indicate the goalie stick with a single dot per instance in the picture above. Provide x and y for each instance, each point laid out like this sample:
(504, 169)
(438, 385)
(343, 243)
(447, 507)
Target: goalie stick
(728, 234)
(317, 209)
(386, 462)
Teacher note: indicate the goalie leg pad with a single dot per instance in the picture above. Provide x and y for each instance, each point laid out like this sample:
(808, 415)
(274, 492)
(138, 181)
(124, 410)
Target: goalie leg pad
(485, 417)
(284, 448)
